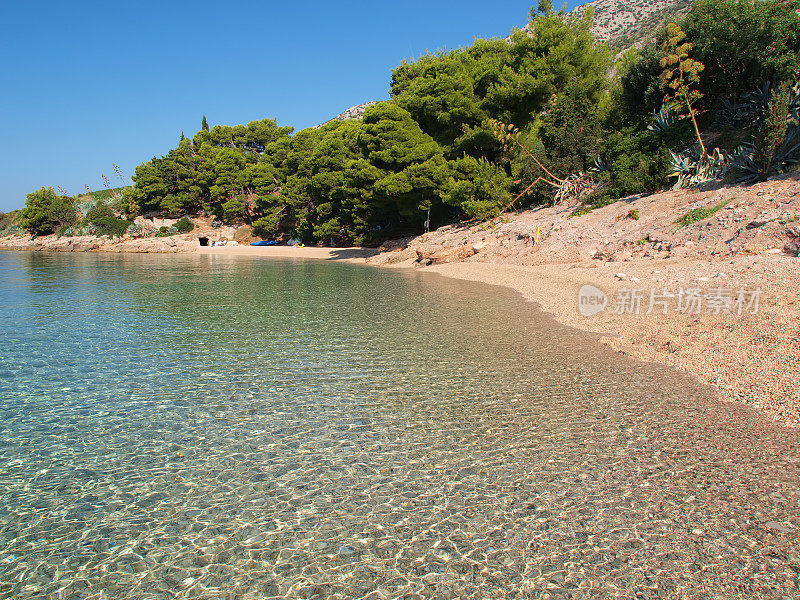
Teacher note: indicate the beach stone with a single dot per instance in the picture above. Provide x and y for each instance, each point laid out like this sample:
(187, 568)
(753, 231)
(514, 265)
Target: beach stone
(445, 255)
(762, 220)
(203, 560)
(778, 527)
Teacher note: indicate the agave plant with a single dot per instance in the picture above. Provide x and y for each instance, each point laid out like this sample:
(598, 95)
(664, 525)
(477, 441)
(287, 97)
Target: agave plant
(575, 187)
(789, 151)
(662, 121)
(684, 165)
(751, 110)
(730, 114)
(692, 168)
(138, 230)
(743, 164)
(758, 99)
(747, 164)
(599, 165)
(794, 104)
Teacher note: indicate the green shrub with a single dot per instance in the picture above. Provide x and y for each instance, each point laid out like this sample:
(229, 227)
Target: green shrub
(633, 214)
(743, 43)
(580, 211)
(700, 214)
(478, 188)
(775, 145)
(184, 225)
(773, 131)
(165, 231)
(103, 221)
(45, 212)
(740, 42)
(571, 131)
(111, 226)
(638, 163)
(642, 94)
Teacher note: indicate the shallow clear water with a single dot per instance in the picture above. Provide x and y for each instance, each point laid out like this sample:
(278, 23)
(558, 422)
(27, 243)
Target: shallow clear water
(211, 427)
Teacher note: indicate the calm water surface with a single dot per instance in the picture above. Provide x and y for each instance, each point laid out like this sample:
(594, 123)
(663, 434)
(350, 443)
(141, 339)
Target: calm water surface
(212, 427)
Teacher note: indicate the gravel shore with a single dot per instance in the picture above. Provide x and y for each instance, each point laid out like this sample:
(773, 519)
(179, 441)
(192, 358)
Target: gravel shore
(751, 358)
(748, 246)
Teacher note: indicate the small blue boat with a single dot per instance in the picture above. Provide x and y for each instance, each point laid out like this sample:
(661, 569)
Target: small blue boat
(264, 243)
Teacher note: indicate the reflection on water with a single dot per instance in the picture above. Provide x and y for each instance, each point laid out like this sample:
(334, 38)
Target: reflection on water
(203, 427)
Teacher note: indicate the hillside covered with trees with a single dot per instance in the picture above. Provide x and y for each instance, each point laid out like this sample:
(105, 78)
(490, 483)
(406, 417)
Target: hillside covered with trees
(548, 115)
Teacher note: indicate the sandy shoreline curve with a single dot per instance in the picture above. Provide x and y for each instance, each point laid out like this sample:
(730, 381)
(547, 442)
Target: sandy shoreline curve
(749, 358)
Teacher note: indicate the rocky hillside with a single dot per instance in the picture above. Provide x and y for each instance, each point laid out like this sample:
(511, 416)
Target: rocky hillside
(352, 113)
(625, 23)
(727, 222)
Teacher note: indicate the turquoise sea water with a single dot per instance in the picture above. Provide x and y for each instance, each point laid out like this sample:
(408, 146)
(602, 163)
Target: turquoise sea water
(213, 427)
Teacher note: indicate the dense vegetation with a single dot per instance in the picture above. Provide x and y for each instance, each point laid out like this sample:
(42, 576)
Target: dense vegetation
(102, 220)
(547, 115)
(47, 212)
(10, 222)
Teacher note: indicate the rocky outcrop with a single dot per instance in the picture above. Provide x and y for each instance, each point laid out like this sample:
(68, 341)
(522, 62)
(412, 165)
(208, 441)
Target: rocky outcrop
(87, 243)
(444, 255)
(351, 114)
(433, 255)
(166, 245)
(793, 247)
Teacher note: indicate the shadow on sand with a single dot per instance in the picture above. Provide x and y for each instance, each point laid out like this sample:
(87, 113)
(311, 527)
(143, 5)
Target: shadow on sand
(350, 253)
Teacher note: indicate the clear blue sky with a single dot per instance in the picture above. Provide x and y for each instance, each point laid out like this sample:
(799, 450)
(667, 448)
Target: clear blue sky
(88, 83)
